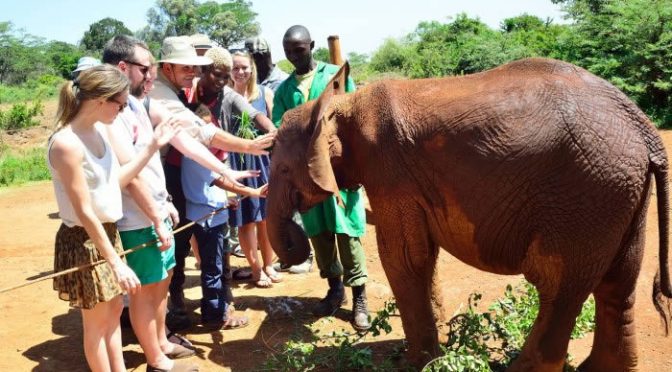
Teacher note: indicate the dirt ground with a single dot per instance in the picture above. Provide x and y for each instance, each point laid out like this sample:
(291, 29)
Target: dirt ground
(38, 332)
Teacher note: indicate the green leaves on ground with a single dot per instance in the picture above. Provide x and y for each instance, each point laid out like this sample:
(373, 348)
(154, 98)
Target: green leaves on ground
(477, 341)
(484, 341)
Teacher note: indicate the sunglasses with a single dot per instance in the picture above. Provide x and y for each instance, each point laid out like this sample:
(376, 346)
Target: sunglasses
(143, 69)
(122, 105)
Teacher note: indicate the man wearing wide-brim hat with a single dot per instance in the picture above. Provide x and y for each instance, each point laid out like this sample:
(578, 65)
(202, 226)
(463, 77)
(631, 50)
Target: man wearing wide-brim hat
(178, 66)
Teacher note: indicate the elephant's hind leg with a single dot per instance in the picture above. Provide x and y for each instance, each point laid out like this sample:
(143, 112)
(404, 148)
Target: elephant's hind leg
(614, 343)
(409, 258)
(546, 346)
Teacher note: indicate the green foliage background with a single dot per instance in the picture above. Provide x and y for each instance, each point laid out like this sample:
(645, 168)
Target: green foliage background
(628, 43)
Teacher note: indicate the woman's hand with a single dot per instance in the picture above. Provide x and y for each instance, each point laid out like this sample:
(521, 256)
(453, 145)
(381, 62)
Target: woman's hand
(262, 191)
(126, 278)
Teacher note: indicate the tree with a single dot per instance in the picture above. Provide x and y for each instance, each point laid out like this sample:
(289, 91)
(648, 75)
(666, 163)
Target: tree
(227, 23)
(63, 57)
(321, 54)
(629, 43)
(100, 32)
(392, 56)
(21, 55)
(524, 22)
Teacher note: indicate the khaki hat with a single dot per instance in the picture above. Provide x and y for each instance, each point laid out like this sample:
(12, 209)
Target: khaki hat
(201, 41)
(178, 50)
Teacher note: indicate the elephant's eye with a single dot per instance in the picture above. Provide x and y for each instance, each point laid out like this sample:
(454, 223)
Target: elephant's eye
(284, 169)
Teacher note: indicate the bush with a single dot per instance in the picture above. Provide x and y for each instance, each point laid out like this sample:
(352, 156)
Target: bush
(30, 165)
(492, 340)
(44, 87)
(20, 116)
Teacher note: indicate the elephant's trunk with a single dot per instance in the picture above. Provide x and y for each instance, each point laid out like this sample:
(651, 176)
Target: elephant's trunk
(286, 236)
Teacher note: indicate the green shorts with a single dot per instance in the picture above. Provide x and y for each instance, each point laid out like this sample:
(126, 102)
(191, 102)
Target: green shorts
(149, 263)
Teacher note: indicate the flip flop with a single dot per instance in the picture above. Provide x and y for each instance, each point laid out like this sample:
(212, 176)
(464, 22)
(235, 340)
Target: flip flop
(235, 322)
(275, 276)
(264, 282)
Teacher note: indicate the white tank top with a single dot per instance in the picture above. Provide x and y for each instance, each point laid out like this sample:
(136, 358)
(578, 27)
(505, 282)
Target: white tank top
(102, 179)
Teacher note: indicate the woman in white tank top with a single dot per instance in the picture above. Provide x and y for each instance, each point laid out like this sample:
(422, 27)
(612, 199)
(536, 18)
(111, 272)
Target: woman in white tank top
(87, 180)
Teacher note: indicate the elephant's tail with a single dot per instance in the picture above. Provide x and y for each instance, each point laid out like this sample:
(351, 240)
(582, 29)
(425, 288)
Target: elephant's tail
(662, 290)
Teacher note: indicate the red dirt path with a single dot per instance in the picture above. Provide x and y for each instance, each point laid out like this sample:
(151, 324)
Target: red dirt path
(38, 332)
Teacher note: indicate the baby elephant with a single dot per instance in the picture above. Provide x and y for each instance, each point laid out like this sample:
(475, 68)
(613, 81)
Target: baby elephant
(535, 167)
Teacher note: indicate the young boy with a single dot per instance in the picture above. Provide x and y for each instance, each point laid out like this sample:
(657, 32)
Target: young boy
(204, 193)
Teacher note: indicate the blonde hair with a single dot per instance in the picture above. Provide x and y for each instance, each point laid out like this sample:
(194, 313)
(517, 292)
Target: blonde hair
(102, 81)
(252, 89)
(220, 57)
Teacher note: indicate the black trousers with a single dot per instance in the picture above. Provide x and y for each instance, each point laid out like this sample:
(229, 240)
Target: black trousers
(182, 246)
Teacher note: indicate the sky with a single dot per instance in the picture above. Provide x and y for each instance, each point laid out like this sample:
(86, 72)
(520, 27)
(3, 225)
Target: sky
(362, 25)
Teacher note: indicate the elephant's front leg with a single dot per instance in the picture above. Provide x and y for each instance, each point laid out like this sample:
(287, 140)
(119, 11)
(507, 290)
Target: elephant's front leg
(409, 257)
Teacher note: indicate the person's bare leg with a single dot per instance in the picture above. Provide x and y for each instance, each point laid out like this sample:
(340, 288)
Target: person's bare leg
(143, 310)
(267, 253)
(162, 300)
(99, 349)
(248, 242)
(113, 338)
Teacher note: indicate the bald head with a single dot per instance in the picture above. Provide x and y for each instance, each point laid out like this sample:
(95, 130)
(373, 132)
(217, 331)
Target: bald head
(298, 48)
(297, 33)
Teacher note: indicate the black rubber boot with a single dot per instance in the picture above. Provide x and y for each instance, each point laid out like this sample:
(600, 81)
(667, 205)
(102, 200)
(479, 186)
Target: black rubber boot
(360, 312)
(334, 299)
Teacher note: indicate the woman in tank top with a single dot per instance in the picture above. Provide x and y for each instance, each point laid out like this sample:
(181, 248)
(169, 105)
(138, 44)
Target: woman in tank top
(250, 216)
(87, 179)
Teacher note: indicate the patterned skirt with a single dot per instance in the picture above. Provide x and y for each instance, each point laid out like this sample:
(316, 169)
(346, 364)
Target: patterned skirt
(87, 287)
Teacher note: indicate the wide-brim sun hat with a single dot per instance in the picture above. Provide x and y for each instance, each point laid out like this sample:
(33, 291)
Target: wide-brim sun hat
(178, 50)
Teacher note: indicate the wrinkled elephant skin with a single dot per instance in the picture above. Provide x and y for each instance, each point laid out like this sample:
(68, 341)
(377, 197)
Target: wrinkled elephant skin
(535, 167)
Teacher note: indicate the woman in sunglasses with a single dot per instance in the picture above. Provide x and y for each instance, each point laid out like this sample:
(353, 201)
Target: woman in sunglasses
(87, 179)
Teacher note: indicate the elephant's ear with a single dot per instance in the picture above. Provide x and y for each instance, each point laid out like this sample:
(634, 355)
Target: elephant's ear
(319, 159)
(324, 129)
(335, 86)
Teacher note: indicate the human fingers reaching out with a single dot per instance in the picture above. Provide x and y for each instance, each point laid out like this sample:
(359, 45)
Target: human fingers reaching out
(165, 131)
